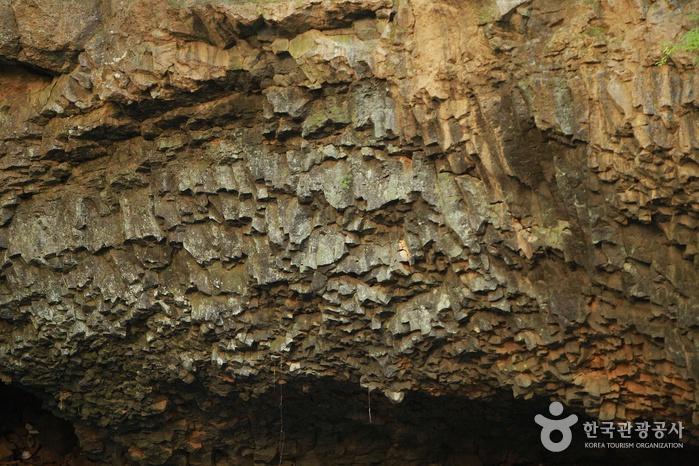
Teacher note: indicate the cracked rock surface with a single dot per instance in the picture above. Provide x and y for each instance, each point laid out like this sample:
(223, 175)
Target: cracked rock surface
(202, 200)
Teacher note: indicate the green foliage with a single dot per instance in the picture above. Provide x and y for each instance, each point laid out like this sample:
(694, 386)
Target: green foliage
(689, 42)
(347, 181)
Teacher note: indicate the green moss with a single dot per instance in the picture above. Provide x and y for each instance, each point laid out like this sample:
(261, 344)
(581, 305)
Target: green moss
(487, 13)
(347, 180)
(595, 31)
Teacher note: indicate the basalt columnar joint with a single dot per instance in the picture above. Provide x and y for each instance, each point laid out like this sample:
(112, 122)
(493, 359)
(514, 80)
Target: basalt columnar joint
(200, 200)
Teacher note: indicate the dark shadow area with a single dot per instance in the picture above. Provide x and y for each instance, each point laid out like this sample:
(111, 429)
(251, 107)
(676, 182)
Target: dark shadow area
(312, 422)
(34, 436)
(20, 80)
(328, 423)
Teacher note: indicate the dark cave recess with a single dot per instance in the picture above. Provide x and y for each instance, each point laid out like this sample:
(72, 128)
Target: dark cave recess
(445, 430)
(32, 435)
(328, 423)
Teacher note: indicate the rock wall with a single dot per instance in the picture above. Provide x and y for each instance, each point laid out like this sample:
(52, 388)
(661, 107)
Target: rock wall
(201, 200)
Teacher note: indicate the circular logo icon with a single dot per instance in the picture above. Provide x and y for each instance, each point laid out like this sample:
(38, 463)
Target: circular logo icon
(548, 426)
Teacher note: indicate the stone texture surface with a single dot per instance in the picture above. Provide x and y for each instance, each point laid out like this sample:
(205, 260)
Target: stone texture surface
(200, 199)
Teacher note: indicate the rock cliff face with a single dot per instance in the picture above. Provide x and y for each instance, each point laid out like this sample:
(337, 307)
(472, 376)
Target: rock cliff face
(205, 202)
